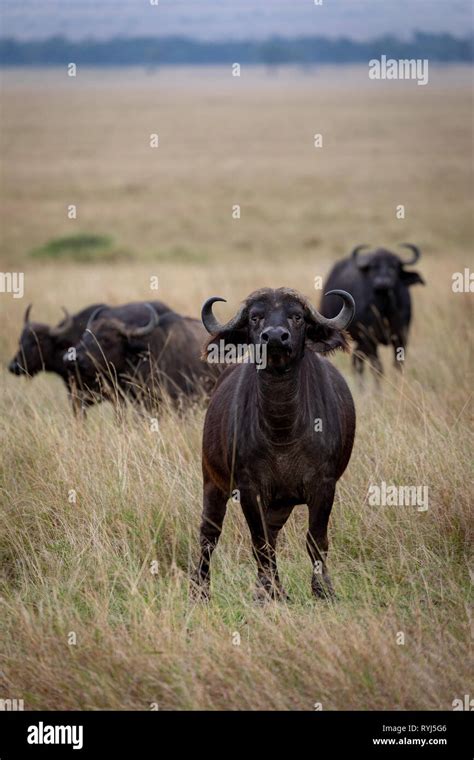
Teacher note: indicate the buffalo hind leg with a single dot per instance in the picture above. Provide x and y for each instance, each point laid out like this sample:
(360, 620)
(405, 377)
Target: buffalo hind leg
(363, 354)
(214, 509)
(366, 351)
(376, 366)
(264, 527)
(319, 506)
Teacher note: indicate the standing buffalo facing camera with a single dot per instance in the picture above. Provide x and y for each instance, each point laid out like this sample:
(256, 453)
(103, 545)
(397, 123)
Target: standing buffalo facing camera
(42, 347)
(279, 435)
(379, 284)
(143, 351)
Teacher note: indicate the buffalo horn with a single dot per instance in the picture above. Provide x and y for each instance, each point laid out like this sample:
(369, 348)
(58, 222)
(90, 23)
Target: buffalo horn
(213, 326)
(345, 316)
(416, 254)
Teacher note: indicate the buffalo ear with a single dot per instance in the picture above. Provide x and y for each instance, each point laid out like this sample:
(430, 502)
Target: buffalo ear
(230, 337)
(363, 263)
(323, 339)
(411, 278)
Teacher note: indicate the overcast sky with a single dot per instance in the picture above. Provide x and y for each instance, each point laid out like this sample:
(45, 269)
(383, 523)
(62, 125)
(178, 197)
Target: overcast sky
(223, 19)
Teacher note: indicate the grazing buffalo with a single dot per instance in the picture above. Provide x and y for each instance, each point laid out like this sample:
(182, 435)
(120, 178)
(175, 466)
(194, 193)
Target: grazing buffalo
(142, 351)
(379, 284)
(277, 436)
(42, 347)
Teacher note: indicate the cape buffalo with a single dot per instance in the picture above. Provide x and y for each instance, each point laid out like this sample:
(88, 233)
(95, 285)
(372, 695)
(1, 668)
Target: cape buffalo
(379, 284)
(142, 351)
(42, 347)
(277, 436)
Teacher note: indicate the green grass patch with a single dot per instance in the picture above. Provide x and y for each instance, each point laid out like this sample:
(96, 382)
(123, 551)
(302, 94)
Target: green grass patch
(81, 247)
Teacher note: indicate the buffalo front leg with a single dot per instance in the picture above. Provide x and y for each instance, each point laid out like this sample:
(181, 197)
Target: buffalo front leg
(264, 527)
(214, 509)
(319, 506)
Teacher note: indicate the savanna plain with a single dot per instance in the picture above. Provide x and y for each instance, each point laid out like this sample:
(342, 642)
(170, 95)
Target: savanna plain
(94, 604)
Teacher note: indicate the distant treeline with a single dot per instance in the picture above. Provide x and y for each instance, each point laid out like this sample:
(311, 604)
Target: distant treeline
(148, 51)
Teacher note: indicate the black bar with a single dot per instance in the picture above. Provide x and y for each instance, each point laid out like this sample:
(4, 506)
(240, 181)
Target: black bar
(445, 734)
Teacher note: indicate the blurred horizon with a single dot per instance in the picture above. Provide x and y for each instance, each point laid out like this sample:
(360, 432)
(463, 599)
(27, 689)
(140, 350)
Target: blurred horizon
(272, 51)
(224, 19)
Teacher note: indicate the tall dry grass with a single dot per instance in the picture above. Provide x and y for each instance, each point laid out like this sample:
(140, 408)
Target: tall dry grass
(110, 569)
(86, 567)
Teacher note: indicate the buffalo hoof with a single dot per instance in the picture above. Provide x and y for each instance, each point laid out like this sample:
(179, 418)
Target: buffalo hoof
(322, 588)
(267, 591)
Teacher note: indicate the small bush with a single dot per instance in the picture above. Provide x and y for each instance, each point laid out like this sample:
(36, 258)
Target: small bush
(81, 247)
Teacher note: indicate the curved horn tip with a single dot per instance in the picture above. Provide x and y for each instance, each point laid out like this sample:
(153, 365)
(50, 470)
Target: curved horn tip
(213, 326)
(358, 248)
(346, 315)
(213, 299)
(416, 253)
(26, 318)
(138, 332)
(343, 294)
(60, 329)
(207, 317)
(94, 316)
(154, 314)
(67, 317)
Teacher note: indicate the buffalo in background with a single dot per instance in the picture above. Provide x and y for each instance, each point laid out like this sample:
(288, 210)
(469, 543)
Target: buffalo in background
(379, 284)
(142, 351)
(42, 347)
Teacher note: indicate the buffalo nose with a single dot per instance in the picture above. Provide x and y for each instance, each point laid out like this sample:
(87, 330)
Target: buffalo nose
(12, 367)
(275, 336)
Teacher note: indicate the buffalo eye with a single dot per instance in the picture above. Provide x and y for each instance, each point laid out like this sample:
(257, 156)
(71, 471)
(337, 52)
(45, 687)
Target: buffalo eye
(255, 319)
(297, 318)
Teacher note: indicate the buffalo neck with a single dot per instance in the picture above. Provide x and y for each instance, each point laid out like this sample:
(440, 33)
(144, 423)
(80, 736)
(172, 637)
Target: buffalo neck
(278, 410)
(53, 359)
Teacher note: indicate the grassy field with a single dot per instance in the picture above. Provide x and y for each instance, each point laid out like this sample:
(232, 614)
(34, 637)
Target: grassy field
(94, 608)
